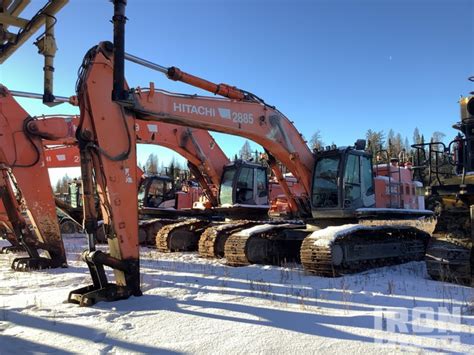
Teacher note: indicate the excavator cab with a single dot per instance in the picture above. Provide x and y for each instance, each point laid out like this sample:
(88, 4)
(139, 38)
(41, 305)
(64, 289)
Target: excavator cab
(342, 182)
(244, 183)
(156, 191)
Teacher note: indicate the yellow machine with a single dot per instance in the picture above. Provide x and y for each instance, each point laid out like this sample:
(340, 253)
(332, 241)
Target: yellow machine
(448, 171)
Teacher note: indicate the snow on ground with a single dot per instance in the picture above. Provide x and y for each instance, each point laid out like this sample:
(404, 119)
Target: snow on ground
(191, 305)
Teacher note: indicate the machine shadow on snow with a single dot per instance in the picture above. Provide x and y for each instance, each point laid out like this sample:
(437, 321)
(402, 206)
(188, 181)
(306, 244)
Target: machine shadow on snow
(349, 300)
(12, 344)
(314, 290)
(304, 323)
(73, 330)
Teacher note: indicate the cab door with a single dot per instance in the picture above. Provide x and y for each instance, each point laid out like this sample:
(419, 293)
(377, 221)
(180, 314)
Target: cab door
(358, 187)
(261, 186)
(352, 184)
(245, 186)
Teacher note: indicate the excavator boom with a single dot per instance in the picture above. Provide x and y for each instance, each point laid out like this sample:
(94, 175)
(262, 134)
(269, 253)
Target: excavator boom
(255, 121)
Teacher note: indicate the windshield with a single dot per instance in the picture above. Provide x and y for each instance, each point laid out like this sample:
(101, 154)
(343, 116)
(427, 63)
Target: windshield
(245, 186)
(225, 193)
(156, 193)
(325, 191)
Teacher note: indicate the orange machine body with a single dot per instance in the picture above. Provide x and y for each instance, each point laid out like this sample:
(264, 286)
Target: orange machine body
(395, 188)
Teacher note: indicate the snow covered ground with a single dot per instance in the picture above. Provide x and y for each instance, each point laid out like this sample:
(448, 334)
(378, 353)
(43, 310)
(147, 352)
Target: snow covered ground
(191, 305)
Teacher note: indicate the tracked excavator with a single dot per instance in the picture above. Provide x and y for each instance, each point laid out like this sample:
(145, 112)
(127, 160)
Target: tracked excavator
(447, 171)
(344, 232)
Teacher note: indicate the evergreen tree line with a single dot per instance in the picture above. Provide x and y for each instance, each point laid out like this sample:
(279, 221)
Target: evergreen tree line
(153, 166)
(174, 169)
(392, 144)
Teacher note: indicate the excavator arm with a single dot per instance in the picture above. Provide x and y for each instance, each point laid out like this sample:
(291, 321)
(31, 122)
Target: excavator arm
(22, 152)
(112, 166)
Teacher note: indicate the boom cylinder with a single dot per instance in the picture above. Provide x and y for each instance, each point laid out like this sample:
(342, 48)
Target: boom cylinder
(177, 74)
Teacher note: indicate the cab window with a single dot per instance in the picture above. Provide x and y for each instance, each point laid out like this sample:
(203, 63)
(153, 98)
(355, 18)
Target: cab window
(367, 178)
(352, 187)
(325, 191)
(155, 193)
(262, 190)
(226, 189)
(245, 186)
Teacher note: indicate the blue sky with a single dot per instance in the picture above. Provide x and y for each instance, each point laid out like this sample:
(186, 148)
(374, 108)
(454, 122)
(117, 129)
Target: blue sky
(339, 66)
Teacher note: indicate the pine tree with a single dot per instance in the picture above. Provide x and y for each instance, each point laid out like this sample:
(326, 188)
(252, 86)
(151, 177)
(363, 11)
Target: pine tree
(416, 136)
(406, 145)
(375, 141)
(245, 152)
(170, 171)
(57, 188)
(151, 165)
(316, 141)
(390, 139)
(397, 145)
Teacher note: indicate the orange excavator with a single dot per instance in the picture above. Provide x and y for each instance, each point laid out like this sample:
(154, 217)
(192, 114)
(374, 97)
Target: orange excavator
(339, 182)
(344, 232)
